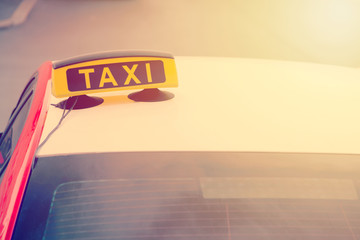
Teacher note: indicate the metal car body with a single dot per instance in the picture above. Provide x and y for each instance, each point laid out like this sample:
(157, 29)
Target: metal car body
(243, 148)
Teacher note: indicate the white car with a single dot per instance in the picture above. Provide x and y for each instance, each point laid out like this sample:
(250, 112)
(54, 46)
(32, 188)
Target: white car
(241, 149)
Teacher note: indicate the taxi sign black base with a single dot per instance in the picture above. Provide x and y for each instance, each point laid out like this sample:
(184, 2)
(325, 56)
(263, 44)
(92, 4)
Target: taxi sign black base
(151, 95)
(82, 102)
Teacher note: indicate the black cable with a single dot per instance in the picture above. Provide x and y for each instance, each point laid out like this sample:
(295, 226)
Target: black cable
(64, 114)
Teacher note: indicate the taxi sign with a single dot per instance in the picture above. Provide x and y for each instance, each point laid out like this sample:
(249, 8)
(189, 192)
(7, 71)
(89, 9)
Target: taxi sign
(112, 71)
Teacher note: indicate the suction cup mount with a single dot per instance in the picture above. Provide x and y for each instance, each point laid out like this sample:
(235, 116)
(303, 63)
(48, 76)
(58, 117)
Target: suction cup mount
(82, 102)
(151, 95)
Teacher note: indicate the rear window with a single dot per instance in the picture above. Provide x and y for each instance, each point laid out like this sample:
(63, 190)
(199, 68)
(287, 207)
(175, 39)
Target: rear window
(192, 196)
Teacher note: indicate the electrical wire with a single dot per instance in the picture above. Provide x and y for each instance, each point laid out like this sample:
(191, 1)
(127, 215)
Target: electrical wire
(64, 114)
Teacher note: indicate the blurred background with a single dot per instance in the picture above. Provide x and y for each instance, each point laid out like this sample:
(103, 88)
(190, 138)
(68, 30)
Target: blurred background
(317, 31)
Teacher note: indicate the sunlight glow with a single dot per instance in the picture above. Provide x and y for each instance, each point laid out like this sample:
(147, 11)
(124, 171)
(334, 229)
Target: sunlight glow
(334, 21)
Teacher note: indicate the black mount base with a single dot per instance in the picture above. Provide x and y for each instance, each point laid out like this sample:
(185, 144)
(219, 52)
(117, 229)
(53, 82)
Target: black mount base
(151, 95)
(82, 102)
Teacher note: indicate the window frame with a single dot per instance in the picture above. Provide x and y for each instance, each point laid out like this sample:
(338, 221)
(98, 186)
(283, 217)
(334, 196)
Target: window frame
(25, 97)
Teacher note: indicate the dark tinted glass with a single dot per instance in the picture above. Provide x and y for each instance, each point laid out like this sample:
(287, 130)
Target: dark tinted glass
(15, 125)
(194, 195)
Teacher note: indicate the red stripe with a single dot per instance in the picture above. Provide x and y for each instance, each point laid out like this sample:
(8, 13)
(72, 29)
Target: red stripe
(17, 172)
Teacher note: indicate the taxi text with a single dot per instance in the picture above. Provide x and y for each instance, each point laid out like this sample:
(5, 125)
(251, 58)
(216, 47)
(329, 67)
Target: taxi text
(115, 75)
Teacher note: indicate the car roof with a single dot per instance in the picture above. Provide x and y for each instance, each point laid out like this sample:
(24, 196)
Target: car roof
(222, 104)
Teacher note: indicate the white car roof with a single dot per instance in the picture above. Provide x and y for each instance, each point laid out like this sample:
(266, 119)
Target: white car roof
(223, 104)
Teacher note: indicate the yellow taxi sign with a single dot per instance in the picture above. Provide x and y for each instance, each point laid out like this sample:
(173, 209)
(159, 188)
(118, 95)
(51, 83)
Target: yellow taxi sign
(113, 71)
